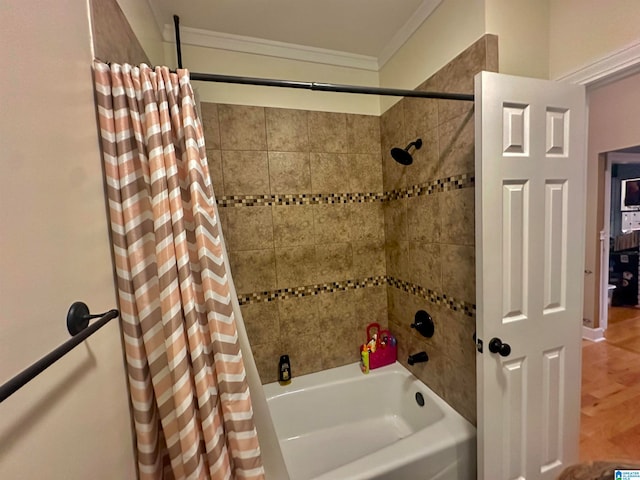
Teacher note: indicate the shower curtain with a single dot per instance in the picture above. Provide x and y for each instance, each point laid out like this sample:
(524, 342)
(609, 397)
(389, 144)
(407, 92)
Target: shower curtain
(189, 393)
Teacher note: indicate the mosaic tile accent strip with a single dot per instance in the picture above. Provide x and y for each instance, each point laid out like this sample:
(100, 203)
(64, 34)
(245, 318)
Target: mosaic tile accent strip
(309, 290)
(298, 199)
(465, 180)
(433, 296)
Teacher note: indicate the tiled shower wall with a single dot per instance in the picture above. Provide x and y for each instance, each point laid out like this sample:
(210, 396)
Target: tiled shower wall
(300, 198)
(430, 229)
(326, 233)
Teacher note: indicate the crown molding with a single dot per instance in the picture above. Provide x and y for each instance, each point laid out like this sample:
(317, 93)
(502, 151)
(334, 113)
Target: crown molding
(258, 46)
(423, 12)
(611, 67)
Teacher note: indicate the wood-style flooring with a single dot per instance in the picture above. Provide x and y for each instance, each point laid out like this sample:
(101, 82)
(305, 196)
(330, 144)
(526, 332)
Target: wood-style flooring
(610, 411)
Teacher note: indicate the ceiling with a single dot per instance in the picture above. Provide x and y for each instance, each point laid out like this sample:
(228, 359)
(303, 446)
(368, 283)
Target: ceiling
(369, 28)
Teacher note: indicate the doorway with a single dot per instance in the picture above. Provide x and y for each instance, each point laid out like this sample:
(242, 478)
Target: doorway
(610, 401)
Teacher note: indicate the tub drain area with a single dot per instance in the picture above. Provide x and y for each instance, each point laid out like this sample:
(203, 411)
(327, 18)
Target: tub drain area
(419, 399)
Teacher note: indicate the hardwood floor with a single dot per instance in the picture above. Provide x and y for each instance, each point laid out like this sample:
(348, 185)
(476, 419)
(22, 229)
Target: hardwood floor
(610, 411)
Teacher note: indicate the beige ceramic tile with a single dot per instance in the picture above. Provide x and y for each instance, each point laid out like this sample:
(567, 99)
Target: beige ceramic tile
(392, 133)
(460, 389)
(296, 266)
(426, 162)
(395, 220)
(245, 173)
(334, 262)
(289, 172)
(425, 266)
(299, 316)
(336, 308)
(249, 228)
(433, 373)
(393, 305)
(293, 225)
(370, 306)
(369, 259)
(304, 354)
(367, 221)
(459, 272)
(328, 132)
(458, 330)
(262, 322)
(339, 345)
(456, 140)
(287, 130)
(242, 127)
(253, 270)
(394, 175)
(397, 259)
(331, 223)
(210, 125)
(267, 356)
(365, 173)
(458, 77)
(214, 161)
(423, 218)
(329, 172)
(420, 115)
(363, 134)
(457, 216)
(492, 53)
(113, 38)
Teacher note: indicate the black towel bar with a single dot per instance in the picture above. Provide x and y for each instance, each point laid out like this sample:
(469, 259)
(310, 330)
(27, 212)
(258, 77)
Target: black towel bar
(78, 325)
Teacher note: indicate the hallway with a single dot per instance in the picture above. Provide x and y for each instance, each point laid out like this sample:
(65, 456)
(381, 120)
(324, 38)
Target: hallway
(610, 407)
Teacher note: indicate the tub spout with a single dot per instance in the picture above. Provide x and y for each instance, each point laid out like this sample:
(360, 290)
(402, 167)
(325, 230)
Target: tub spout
(418, 357)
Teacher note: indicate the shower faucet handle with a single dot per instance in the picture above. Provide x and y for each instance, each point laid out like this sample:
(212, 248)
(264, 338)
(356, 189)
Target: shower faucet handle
(423, 323)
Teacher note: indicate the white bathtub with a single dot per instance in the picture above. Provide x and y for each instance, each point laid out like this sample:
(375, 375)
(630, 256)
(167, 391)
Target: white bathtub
(340, 424)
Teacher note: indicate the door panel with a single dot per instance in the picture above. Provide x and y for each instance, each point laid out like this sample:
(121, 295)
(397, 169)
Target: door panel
(530, 210)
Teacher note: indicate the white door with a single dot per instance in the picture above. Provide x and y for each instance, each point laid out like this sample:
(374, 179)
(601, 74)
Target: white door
(530, 228)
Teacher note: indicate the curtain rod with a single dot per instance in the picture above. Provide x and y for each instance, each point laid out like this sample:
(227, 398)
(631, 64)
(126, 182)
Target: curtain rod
(327, 87)
(78, 326)
(317, 86)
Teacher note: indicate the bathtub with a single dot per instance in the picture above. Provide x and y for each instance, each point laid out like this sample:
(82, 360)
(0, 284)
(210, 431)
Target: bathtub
(340, 424)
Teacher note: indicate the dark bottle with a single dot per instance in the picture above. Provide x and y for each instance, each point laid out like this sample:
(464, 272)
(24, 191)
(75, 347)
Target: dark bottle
(284, 370)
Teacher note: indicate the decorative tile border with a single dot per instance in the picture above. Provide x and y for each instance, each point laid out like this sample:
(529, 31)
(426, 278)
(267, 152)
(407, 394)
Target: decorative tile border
(456, 182)
(310, 290)
(443, 299)
(298, 199)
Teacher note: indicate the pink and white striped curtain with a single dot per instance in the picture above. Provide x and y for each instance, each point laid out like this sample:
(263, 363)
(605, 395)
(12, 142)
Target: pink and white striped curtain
(189, 392)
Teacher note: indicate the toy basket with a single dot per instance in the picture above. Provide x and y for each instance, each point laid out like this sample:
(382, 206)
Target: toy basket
(380, 349)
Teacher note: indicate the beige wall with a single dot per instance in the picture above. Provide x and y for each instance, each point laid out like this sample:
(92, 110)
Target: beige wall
(143, 23)
(450, 29)
(614, 123)
(210, 60)
(523, 29)
(73, 420)
(583, 31)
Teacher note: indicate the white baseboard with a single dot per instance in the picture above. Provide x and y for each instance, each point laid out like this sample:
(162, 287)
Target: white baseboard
(593, 334)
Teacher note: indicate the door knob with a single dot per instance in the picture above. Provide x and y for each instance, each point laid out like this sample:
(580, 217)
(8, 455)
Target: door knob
(496, 346)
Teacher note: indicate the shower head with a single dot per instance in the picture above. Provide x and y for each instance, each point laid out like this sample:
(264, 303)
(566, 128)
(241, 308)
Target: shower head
(402, 155)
